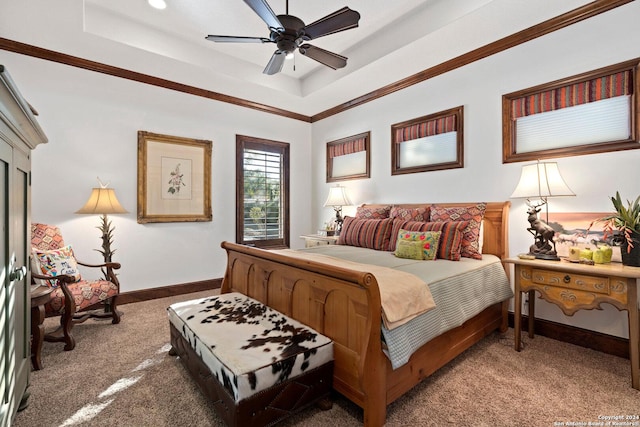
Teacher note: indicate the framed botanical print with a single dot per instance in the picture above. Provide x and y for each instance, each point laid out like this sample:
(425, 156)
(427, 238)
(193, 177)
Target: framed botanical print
(174, 178)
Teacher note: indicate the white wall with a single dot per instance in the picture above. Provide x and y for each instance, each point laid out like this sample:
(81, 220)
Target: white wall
(586, 46)
(92, 120)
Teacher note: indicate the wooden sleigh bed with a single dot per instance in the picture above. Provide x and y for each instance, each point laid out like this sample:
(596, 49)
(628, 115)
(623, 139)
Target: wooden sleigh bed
(345, 305)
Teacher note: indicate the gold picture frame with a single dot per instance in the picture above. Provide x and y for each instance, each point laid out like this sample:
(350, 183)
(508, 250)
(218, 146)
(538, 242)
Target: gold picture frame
(174, 178)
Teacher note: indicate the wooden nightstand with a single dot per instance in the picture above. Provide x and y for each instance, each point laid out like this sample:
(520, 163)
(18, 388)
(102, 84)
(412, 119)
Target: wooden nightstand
(311, 240)
(574, 287)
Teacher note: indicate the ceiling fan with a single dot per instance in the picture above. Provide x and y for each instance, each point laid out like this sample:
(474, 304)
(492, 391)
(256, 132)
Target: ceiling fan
(290, 33)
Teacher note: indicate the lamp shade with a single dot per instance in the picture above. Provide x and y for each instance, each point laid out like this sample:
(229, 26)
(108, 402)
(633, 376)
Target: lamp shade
(102, 201)
(541, 180)
(338, 197)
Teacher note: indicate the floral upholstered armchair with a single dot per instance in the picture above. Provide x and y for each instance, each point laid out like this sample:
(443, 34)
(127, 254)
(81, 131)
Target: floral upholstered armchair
(74, 298)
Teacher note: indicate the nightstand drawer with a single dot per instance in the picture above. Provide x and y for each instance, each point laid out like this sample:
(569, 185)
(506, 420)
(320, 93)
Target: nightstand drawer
(311, 240)
(566, 280)
(309, 243)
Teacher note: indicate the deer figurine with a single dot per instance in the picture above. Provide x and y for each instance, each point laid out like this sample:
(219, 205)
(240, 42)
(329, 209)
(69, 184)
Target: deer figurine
(544, 247)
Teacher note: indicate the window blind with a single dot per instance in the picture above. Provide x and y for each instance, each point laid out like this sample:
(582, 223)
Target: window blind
(263, 211)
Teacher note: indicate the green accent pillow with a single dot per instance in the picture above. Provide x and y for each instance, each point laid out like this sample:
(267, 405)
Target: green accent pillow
(408, 249)
(428, 240)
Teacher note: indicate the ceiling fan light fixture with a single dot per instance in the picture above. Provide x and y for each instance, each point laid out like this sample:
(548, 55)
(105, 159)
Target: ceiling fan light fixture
(158, 4)
(289, 33)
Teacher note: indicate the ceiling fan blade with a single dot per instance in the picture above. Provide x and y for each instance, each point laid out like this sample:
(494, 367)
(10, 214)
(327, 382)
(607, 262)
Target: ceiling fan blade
(330, 59)
(340, 20)
(237, 39)
(275, 63)
(262, 8)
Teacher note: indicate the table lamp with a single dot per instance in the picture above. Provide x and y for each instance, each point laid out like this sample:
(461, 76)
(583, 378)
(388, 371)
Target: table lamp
(337, 199)
(538, 182)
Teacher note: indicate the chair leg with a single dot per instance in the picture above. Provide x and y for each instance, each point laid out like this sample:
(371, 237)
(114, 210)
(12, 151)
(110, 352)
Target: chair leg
(115, 314)
(63, 333)
(66, 322)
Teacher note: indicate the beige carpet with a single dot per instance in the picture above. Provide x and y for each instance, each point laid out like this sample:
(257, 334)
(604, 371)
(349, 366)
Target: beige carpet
(121, 375)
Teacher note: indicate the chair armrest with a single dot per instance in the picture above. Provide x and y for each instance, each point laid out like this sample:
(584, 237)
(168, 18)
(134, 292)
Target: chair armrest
(65, 278)
(114, 265)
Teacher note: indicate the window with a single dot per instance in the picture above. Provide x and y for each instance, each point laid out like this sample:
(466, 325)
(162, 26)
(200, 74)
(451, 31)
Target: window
(348, 158)
(428, 143)
(262, 192)
(585, 114)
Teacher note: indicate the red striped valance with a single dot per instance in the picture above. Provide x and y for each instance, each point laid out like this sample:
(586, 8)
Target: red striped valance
(347, 147)
(427, 128)
(618, 84)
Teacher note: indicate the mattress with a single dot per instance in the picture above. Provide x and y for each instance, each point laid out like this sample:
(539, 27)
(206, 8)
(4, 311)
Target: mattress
(460, 289)
(248, 346)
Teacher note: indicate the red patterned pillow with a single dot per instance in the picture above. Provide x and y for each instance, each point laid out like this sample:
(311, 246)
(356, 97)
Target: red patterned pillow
(450, 244)
(410, 214)
(366, 233)
(471, 235)
(369, 212)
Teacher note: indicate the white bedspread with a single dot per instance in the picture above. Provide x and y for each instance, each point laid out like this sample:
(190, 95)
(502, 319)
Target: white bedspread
(460, 289)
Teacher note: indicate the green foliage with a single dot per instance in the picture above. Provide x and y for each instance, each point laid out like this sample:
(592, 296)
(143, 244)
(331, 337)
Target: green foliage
(626, 219)
(257, 215)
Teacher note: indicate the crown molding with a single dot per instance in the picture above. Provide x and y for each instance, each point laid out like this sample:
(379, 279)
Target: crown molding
(554, 24)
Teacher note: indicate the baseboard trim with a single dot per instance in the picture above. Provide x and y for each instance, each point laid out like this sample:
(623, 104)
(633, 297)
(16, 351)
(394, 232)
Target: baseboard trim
(598, 341)
(605, 343)
(168, 291)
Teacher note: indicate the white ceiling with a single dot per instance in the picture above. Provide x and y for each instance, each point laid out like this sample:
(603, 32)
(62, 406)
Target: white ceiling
(179, 32)
(394, 40)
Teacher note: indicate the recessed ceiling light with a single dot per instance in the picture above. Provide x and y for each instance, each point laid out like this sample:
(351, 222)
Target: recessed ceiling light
(158, 4)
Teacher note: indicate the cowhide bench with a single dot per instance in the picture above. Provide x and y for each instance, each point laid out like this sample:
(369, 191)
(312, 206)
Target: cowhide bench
(256, 365)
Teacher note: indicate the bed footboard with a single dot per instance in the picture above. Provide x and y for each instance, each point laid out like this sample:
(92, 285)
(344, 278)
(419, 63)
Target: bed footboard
(339, 303)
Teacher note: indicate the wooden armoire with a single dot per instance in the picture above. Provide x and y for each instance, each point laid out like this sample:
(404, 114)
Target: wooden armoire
(19, 135)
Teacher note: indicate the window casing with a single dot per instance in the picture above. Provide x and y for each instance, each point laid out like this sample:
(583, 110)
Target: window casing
(589, 113)
(429, 143)
(262, 192)
(349, 158)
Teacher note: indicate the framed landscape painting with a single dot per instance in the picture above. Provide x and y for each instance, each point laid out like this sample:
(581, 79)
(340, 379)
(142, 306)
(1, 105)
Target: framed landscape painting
(174, 178)
(572, 229)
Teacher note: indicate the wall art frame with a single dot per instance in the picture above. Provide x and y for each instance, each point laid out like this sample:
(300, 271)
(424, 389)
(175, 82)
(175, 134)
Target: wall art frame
(580, 229)
(174, 178)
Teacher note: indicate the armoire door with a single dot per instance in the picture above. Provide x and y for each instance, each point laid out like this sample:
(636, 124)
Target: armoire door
(14, 279)
(19, 135)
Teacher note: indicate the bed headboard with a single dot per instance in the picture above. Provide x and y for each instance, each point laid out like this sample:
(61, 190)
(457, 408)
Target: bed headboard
(495, 224)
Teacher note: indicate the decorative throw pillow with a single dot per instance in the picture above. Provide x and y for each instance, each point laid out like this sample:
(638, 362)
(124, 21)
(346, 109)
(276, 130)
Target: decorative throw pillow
(410, 214)
(370, 212)
(366, 233)
(429, 241)
(54, 263)
(450, 242)
(471, 235)
(409, 249)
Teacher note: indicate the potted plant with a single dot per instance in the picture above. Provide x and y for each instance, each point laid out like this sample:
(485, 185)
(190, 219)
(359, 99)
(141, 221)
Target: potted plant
(625, 219)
